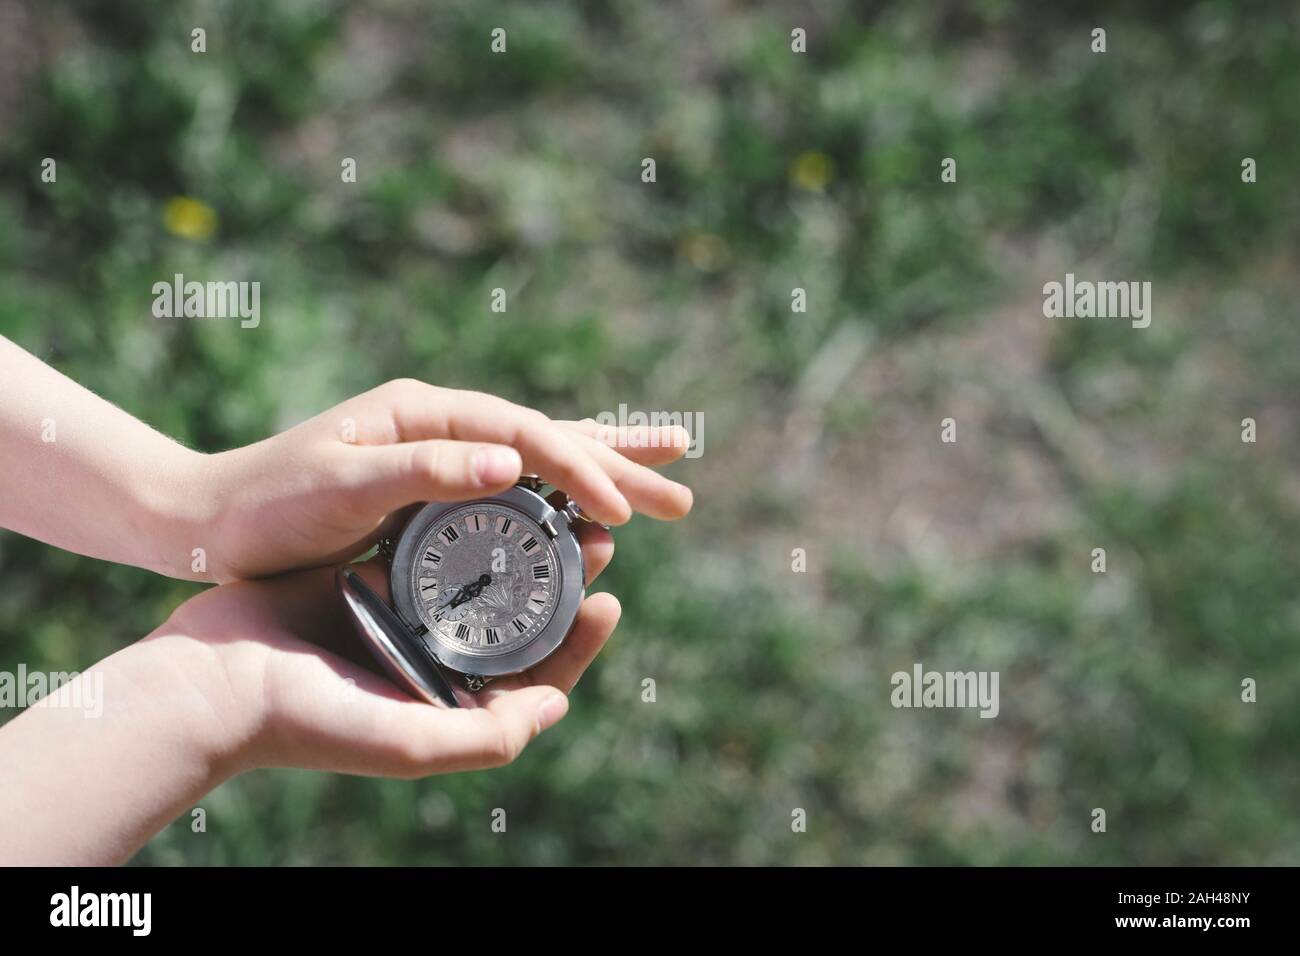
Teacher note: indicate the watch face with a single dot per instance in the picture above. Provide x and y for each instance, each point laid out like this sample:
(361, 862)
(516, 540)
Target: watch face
(484, 579)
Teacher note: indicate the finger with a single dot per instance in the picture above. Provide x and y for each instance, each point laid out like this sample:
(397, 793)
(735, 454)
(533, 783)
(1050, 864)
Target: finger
(646, 491)
(488, 736)
(645, 444)
(365, 725)
(597, 550)
(422, 411)
(382, 478)
(596, 622)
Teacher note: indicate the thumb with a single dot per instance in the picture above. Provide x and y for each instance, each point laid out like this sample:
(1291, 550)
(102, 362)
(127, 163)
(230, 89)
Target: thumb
(436, 740)
(393, 476)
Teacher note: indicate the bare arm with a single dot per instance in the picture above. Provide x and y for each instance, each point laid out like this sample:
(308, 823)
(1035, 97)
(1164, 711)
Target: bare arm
(96, 769)
(81, 474)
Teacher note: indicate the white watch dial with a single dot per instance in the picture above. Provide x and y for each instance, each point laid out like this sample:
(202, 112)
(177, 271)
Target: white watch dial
(484, 579)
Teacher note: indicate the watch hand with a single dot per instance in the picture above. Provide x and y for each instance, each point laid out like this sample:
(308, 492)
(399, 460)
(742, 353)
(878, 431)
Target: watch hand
(471, 591)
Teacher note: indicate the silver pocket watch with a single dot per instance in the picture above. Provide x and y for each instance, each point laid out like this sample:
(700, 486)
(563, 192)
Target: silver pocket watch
(481, 589)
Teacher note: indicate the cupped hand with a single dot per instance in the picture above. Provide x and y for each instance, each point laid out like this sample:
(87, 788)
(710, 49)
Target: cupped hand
(322, 492)
(285, 681)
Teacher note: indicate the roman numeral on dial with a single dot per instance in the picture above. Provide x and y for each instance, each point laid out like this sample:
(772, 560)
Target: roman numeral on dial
(462, 632)
(529, 544)
(521, 623)
(432, 558)
(475, 523)
(491, 635)
(449, 534)
(537, 601)
(541, 572)
(505, 526)
(428, 584)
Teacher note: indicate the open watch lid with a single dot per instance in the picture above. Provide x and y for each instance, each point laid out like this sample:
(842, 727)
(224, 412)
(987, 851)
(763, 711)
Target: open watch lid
(395, 645)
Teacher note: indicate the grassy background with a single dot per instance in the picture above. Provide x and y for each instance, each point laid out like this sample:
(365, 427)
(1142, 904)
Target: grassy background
(775, 170)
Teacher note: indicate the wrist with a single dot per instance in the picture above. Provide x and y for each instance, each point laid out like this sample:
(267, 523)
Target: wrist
(193, 680)
(181, 505)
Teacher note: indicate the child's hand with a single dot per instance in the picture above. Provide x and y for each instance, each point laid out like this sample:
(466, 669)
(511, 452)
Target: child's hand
(320, 493)
(291, 684)
(256, 674)
(296, 687)
(83, 475)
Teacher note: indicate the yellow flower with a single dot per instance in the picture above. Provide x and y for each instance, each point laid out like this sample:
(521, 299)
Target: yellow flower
(812, 171)
(189, 218)
(704, 251)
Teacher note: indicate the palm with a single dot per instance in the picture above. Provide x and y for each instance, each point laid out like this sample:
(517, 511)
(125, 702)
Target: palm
(290, 656)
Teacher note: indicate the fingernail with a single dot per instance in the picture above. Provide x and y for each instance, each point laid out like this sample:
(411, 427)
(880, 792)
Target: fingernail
(554, 707)
(495, 464)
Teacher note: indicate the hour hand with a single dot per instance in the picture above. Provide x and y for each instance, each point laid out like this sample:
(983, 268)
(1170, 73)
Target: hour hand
(472, 590)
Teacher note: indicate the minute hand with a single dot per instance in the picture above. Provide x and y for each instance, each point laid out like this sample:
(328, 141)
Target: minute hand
(471, 591)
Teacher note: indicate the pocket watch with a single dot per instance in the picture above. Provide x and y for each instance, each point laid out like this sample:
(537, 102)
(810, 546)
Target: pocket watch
(480, 589)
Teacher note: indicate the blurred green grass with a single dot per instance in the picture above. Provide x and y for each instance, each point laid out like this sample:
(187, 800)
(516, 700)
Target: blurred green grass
(479, 171)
